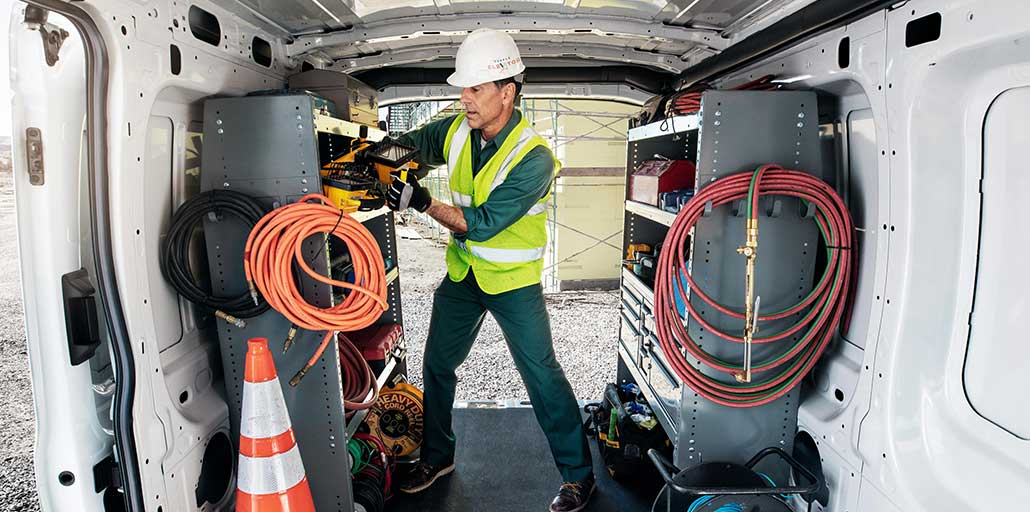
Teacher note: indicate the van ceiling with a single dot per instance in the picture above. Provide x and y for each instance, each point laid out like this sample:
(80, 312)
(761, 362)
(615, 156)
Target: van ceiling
(666, 36)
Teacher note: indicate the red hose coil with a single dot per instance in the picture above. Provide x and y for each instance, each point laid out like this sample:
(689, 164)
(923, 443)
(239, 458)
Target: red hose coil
(689, 101)
(826, 305)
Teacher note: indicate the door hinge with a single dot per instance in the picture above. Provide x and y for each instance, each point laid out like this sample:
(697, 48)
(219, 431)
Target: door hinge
(34, 152)
(53, 36)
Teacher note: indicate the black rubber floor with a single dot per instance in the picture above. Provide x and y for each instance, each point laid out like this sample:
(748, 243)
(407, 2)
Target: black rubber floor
(504, 465)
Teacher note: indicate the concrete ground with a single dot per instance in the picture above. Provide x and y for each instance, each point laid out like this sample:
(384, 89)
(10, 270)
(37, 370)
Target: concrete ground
(17, 482)
(585, 326)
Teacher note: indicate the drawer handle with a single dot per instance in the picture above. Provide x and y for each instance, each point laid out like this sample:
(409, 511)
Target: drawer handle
(660, 363)
(629, 323)
(627, 309)
(628, 294)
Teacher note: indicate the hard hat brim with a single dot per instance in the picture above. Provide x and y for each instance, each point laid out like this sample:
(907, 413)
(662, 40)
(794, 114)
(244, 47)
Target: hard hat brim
(458, 80)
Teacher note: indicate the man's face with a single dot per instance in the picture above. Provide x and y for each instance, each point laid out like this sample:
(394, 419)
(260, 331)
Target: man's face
(485, 102)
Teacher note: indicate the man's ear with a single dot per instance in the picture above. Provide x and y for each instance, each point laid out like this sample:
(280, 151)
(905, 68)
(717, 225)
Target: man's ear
(508, 93)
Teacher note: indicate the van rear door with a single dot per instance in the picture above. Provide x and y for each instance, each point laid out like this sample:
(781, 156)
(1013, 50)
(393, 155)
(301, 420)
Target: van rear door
(72, 379)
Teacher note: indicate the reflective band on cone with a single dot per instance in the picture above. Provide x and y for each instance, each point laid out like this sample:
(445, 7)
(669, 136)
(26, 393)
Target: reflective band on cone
(265, 411)
(271, 475)
(296, 498)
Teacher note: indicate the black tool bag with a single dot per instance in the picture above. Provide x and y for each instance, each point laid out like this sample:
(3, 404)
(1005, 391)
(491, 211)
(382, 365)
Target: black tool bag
(623, 444)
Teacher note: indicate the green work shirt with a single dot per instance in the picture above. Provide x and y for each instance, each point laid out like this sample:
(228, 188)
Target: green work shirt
(527, 182)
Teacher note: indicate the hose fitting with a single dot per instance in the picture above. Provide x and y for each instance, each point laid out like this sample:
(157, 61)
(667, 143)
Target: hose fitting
(238, 322)
(253, 292)
(289, 338)
(300, 375)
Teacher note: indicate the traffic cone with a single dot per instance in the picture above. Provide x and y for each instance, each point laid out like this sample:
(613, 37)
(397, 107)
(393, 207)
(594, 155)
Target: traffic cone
(271, 475)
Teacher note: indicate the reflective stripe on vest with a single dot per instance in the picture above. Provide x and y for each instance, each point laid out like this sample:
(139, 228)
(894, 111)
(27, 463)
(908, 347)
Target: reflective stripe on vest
(506, 165)
(537, 209)
(459, 199)
(507, 255)
(461, 134)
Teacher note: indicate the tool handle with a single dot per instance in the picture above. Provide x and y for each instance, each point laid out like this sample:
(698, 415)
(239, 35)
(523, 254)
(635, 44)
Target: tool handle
(611, 393)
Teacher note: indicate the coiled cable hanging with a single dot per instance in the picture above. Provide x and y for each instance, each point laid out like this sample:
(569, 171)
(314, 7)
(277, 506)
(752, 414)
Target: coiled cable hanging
(826, 303)
(276, 246)
(175, 252)
(689, 101)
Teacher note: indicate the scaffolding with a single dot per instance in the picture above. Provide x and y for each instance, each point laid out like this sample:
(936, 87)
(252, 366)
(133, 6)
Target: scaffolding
(408, 116)
(544, 115)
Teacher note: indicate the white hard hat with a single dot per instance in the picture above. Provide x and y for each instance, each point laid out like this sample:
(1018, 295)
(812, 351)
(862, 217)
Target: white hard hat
(484, 56)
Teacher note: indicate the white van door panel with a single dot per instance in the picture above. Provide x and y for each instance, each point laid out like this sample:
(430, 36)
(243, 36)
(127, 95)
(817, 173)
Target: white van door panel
(53, 236)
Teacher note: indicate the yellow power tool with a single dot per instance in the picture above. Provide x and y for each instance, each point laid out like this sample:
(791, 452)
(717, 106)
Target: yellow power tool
(358, 180)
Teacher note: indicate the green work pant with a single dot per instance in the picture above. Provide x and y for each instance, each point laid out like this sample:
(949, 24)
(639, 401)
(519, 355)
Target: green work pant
(458, 312)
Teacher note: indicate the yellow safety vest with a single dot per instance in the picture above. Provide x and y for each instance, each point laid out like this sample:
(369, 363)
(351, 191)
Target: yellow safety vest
(514, 258)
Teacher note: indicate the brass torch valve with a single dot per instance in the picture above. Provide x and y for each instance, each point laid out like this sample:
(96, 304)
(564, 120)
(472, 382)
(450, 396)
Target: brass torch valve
(750, 252)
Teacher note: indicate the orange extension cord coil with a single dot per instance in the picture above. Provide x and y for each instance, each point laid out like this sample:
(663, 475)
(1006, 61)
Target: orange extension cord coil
(276, 245)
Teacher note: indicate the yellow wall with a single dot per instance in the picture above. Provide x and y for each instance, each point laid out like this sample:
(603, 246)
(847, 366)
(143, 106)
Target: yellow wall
(586, 204)
(592, 205)
(596, 153)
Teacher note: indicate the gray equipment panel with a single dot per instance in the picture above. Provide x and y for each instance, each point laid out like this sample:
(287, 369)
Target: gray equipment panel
(738, 131)
(264, 146)
(741, 130)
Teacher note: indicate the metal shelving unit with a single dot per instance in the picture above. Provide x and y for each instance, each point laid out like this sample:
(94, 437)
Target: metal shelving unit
(647, 211)
(297, 141)
(669, 126)
(753, 128)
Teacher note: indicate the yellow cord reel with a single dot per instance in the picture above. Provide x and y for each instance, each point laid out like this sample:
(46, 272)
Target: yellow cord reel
(396, 419)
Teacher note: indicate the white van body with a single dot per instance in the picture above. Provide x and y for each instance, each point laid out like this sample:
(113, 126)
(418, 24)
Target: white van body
(922, 408)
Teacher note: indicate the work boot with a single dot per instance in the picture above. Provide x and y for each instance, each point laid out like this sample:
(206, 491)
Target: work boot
(423, 475)
(573, 496)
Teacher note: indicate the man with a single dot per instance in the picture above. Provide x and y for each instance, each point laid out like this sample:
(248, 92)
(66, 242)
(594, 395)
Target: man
(500, 175)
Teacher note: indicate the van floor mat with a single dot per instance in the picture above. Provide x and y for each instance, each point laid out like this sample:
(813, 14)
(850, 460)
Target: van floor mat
(503, 464)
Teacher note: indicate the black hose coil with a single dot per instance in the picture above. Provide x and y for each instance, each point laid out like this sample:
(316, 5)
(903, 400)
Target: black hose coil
(175, 260)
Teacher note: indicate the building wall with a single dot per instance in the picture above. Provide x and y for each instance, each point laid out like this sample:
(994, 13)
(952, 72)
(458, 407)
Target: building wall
(590, 190)
(589, 209)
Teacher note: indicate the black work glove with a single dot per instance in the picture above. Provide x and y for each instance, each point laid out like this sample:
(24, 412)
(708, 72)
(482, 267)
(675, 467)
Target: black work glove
(407, 193)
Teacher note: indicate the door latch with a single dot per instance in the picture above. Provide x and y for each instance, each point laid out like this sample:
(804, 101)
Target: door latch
(80, 316)
(34, 152)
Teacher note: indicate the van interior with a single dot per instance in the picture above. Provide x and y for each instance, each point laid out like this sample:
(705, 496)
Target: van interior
(838, 169)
